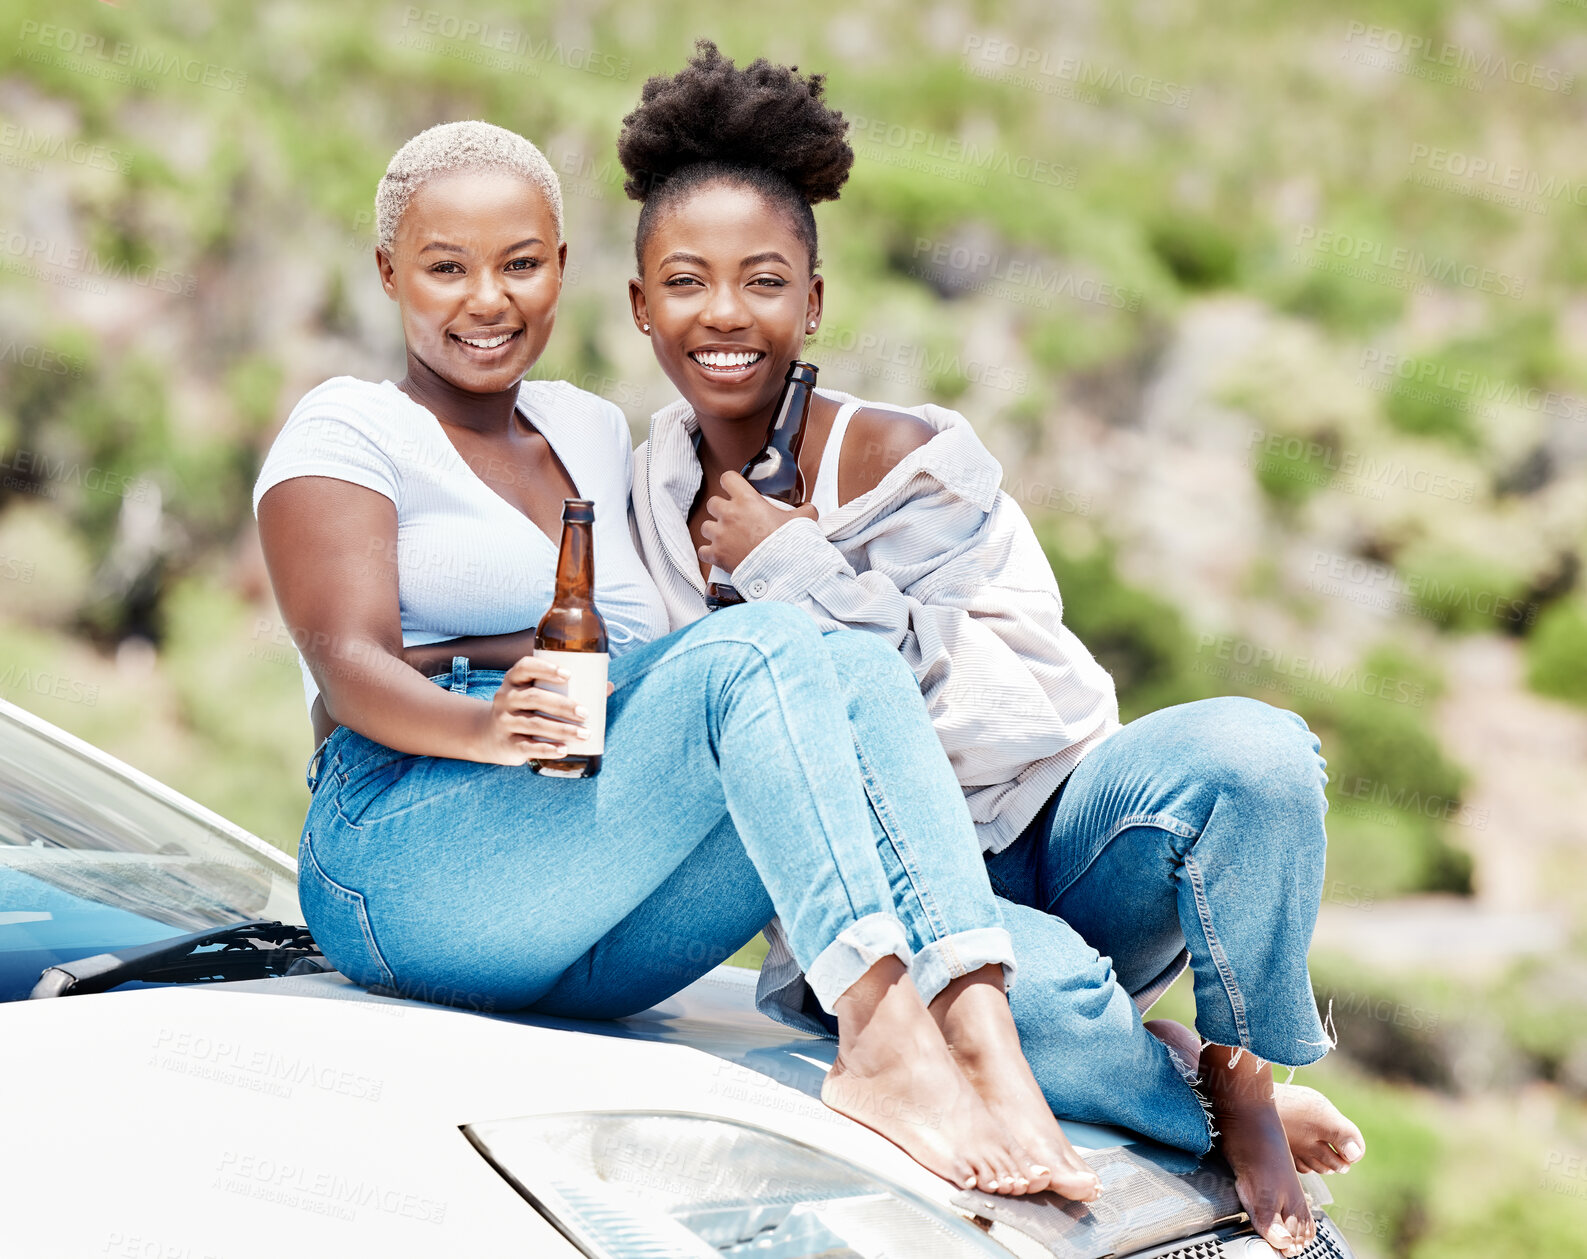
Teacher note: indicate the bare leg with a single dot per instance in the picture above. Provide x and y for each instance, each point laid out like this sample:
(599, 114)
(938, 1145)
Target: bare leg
(1320, 1137)
(973, 1014)
(894, 1074)
(1252, 1138)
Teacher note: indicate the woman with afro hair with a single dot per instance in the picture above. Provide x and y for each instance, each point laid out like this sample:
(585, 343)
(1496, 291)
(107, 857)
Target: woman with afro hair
(1119, 851)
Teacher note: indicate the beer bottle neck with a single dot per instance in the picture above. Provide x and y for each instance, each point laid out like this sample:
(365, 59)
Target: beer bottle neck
(576, 564)
(788, 428)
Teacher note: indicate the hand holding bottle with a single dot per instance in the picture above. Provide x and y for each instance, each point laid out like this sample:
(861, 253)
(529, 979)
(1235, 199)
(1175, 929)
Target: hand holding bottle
(526, 721)
(741, 519)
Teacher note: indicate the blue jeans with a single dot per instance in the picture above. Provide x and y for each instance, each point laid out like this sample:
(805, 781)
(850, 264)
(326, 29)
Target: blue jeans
(1199, 827)
(730, 790)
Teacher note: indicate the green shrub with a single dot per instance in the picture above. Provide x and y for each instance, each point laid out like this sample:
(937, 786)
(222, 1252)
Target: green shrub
(1393, 794)
(1556, 653)
(1467, 594)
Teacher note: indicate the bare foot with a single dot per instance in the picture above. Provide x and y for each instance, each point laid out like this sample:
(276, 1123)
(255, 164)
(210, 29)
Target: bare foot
(974, 1017)
(1252, 1139)
(1320, 1137)
(894, 1074)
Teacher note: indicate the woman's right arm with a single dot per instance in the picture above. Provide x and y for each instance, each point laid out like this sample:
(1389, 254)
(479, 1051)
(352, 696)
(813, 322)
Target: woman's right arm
(317, 533)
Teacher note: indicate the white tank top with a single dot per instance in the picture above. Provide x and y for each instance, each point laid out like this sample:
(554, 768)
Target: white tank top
(824, 498)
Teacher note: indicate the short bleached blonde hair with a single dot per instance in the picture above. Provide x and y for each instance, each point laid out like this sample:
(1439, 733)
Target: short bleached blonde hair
(456, 146)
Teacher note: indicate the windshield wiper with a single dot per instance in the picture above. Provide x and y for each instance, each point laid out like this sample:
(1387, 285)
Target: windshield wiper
(242, 950)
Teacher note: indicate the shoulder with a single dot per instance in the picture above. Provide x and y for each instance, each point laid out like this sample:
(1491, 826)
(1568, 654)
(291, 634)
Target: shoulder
(896, 430)
(558, 401)
(344, 429)
(343, 395)
(878, 440)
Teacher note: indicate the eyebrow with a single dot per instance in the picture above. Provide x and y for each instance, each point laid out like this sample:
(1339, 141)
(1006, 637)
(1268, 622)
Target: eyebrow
(770, 255)
(459, 249)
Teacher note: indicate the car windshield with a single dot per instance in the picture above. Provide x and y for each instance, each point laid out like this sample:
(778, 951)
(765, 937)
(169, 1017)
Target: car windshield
(95, 857)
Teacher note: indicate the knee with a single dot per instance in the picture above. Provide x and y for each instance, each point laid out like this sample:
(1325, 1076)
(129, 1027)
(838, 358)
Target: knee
(868, 662)
(775, 629)
(1251, 746)
(1258, 753)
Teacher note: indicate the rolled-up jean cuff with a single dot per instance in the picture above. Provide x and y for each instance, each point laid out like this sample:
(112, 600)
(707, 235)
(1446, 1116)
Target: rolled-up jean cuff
(858, 947)
(952, 957)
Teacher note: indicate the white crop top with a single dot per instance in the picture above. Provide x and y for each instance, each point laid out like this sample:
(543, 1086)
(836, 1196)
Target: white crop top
(468, 562)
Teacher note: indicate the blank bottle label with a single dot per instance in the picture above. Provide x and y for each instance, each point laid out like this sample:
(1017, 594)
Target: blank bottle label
(587, 685)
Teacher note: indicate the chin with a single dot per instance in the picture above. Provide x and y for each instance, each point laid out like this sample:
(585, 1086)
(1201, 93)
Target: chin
(729, 401)
(476, 379)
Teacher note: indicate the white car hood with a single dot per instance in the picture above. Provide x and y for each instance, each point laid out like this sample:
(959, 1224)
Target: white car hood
(201, 1121)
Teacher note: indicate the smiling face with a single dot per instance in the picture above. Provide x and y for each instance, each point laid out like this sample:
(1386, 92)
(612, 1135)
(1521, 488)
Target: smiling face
(727, 292)
(476, 268)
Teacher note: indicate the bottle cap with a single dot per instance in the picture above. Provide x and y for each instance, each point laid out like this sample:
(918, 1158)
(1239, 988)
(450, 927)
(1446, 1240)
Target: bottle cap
(578, 511)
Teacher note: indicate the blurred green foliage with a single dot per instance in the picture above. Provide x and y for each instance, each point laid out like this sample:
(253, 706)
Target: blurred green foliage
(1557, 652)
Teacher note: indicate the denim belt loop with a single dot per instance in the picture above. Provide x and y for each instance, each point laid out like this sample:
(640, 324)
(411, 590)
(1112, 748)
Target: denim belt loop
(316, 763)
(460, 675)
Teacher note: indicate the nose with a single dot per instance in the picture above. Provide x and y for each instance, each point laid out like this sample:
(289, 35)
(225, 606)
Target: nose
(725, 309)
(487, 294)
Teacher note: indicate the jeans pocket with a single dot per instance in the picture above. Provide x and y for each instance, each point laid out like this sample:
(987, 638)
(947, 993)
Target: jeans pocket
(364, 783)
(338, 918)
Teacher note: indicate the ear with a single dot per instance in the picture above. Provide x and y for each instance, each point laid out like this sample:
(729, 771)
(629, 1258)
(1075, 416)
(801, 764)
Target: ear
(813, 303)
(387, 270)
(562, 258)
(637, 303)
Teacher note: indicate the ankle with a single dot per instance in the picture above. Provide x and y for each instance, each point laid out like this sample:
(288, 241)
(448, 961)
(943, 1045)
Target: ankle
(1235, 1077)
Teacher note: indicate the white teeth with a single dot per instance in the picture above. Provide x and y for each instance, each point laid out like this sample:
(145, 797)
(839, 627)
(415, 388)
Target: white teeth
(489, 344)
(727, 358)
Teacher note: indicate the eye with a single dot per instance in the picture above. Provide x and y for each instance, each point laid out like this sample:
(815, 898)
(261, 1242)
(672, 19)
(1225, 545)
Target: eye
(446, 268)
(770, 281)
(678, 281)
(523, 264)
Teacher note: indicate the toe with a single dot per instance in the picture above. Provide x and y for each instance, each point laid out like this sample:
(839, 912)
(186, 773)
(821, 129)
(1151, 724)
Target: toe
(1278, 1238)
(1078, 1184)
(1326, 1158)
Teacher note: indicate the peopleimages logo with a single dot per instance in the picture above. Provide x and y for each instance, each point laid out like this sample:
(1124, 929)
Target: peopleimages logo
(1407, 265)
(1523, 182)
(1046, 71)
(521, 46)
(1017, 280)
(919, 144)
(31, 252)
(121, 62)
(1422, 53)
(1477, 392)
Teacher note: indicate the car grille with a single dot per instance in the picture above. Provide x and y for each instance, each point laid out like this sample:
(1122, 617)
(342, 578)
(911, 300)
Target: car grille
(1328, 1245)
(1205, 1248)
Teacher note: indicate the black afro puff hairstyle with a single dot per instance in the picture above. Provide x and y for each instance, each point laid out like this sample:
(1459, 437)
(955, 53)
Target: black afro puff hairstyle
(763, 127)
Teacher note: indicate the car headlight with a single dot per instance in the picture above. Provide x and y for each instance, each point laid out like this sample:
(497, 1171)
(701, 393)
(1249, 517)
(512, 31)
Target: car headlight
(660, 1185)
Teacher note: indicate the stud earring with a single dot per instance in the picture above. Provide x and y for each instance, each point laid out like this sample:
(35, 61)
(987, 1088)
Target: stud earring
(647, 328)
(812, 325)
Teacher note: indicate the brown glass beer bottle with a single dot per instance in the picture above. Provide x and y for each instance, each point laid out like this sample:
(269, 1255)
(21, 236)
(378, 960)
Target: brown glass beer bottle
(572, 636)
(775, 470)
